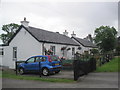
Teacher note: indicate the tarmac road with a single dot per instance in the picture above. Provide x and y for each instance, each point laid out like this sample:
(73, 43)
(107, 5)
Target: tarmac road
(92, 80)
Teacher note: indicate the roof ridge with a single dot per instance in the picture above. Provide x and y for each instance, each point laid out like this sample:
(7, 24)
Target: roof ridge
(82, 38)
(48, 31)
(43, 29)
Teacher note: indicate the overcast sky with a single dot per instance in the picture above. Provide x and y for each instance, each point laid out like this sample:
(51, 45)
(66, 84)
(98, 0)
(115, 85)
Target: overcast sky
(57, 16)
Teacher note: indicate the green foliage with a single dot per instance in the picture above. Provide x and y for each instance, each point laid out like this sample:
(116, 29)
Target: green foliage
(105, 38)
(67, 62)
(9, 30)
(118, 50)
(111, 66)
(94, 51)
(118, 47)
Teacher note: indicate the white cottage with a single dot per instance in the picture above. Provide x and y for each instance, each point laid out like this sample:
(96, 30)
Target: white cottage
(84, 44)
(29, 41)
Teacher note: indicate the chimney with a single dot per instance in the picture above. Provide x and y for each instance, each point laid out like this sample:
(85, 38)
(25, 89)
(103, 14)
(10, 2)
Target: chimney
(24, 23)
(65, 33)
(73, 34)
(89, 37)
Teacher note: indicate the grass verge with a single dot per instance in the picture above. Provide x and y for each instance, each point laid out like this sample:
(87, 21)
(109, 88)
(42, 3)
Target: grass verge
(111, 66)
(8, 74)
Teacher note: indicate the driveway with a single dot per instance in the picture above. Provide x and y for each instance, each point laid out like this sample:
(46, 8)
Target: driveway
(92, 80)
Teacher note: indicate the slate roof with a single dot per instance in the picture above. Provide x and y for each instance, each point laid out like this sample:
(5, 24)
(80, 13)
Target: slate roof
(47, 36)
(51, 37)
(85, 42)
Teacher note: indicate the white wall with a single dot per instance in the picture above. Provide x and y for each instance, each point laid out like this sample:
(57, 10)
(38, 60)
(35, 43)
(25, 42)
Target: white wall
(0, 56)
(0, 60)
(26, 46)
(58, 49)
(7, 57)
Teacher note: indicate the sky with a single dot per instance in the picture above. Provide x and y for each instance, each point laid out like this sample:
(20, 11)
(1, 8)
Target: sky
(82, 17)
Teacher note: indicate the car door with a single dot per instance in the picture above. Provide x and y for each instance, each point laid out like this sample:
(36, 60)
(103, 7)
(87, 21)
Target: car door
(30, 65)
(44, 61)
(38, 63)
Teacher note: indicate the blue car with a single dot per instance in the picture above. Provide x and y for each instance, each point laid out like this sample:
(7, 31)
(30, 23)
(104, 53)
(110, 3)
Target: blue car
(48, 64)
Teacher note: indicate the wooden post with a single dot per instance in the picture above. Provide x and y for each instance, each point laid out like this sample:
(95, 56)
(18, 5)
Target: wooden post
(75, 70)
(16, 66)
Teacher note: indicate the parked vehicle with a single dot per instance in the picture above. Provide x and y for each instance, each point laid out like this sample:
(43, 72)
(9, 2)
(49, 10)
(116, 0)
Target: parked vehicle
(48, 64)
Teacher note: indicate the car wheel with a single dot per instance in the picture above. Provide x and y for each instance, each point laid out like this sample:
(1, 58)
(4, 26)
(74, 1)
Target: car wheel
(45, 71)
(21, 71)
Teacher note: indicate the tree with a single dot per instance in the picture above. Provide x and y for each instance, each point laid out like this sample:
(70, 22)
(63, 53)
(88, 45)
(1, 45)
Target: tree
(118, 46)
(105, 38)
(118, 50)
(94, 51)
(9, 30)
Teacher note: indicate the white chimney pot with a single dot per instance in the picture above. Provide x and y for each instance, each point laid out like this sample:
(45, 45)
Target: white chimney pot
(65, 33)
(24, 23)
(73, 34)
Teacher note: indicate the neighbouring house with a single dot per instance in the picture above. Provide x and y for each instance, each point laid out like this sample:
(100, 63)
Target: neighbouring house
(29, 41)
(85, 45)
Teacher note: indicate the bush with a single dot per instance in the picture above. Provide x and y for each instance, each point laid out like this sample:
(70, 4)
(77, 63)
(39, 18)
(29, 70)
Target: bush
(67, 62)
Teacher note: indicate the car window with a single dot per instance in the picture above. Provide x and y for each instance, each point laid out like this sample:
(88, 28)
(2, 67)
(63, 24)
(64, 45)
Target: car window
(43, 59)
(38, 59)
(31, 60)
(55, 58)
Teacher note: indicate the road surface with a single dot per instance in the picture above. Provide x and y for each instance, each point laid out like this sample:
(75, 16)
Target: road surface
(92, 80)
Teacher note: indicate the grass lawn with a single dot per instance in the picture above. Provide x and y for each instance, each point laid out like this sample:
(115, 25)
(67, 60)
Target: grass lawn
(8, 74)
(111, 66)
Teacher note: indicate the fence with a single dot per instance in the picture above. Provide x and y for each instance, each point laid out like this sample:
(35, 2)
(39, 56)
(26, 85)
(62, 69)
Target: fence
(67, 64)
(83, 67)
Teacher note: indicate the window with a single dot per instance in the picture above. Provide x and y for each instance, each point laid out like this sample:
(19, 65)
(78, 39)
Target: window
(53, 49)
(1, 51)
(73, 51)
(31, 60)
(86, 52)
(14, 53)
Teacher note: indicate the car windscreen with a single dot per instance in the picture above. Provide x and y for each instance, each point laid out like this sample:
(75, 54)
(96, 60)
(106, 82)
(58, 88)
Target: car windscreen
(54, 58)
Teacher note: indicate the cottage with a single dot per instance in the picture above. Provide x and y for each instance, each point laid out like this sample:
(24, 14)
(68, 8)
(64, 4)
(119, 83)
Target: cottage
(29, 41)
(85, 45)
